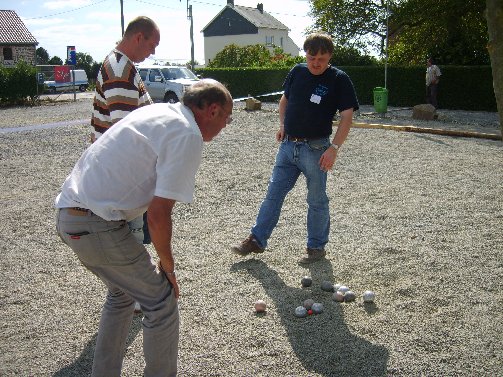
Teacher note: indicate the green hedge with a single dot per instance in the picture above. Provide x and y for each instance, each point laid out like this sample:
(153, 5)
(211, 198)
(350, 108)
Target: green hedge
(18, 84)
(242, 82)
(461, 87)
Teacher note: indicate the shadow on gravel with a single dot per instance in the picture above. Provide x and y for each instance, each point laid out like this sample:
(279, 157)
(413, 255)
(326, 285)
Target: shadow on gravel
(84, 364)
(322, 343)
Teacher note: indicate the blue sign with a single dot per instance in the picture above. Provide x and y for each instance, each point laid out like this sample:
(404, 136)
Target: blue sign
(71, 54)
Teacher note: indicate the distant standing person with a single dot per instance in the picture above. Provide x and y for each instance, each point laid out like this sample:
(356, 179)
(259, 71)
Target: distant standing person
(314, 92)
(148, 159)
(432, 78)
(120, 89)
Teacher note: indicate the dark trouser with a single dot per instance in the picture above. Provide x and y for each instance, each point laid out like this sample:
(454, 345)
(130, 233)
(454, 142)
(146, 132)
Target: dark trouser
(431, 94)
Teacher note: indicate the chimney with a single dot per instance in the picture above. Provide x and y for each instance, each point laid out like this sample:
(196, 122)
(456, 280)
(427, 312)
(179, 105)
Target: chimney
(230, 3)
(260, 7)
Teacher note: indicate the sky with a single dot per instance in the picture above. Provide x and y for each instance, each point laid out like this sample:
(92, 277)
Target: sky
(94, 26)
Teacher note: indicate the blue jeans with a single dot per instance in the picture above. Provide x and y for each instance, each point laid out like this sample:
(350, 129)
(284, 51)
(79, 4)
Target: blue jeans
(292, 159)
(110, 251)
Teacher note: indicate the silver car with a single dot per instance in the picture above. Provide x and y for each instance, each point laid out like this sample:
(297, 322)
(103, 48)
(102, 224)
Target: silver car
(166, 83)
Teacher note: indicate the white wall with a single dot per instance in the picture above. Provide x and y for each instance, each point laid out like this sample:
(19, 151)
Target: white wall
(213, 45)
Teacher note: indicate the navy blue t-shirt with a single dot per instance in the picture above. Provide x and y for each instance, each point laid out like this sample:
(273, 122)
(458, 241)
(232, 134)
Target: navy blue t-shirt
(313, 100)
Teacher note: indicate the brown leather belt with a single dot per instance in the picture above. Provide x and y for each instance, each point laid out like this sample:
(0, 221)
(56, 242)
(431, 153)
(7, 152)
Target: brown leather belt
(297, 139)
(77, 211)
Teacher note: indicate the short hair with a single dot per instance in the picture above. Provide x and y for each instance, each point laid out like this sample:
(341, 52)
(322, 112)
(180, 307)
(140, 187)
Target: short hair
(141, 24)
(206, 92)
(318, 42)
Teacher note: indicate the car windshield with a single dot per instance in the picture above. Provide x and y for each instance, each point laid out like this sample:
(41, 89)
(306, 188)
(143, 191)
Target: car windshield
(173, 73)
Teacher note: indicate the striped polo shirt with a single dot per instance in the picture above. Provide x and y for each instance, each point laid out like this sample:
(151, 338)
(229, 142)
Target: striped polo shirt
(119, 90)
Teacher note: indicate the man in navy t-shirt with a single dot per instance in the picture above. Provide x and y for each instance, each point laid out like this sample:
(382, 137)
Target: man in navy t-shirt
(313, 93)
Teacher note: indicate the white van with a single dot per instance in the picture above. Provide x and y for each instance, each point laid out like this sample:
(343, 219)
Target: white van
(81, 83)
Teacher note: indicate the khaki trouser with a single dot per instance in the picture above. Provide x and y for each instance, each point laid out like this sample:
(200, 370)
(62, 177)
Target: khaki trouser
(109, 250)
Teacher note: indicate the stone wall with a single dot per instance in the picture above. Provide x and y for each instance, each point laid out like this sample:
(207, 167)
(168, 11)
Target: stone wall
(26, 53)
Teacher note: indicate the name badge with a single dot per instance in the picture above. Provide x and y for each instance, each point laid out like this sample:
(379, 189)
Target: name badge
(315, 99)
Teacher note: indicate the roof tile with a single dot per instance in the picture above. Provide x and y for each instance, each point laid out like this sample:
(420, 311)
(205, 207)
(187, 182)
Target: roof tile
(13, 30)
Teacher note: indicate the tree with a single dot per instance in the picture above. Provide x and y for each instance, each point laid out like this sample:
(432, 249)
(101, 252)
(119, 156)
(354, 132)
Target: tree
(85, 62)
(456, 34)
(94, 71)
(236, 56)
(189, 64)
(42, 55)
(358, 24)
(494, 14)
(452, 31)
(252, 56)
(55, 60)
(350, 56)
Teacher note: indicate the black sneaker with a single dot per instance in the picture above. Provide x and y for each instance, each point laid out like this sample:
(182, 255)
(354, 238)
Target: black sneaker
(313, 255)
(248, 246)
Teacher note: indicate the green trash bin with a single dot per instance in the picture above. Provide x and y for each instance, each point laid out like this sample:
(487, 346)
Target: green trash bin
(381, 100)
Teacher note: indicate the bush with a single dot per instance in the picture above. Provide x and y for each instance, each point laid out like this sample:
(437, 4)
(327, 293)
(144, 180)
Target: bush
(19, 84)
(243, 82)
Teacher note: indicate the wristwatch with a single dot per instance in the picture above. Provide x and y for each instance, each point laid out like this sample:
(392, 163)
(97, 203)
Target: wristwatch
(335, 146)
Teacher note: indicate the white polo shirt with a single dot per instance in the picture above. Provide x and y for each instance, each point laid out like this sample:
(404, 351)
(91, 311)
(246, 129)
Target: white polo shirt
(155, 150)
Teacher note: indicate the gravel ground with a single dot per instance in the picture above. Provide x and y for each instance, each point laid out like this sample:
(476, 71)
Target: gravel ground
(417, 218)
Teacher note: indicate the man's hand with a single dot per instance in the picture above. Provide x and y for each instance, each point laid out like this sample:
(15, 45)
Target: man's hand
(160, 226)
(280, 134)
(327, 159)
(171, 276)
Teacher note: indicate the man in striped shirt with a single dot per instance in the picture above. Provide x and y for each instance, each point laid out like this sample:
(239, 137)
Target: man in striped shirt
(120, 89)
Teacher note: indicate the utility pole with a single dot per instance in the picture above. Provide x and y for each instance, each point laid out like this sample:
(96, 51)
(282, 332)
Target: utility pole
(387, 36)
(189, 17)
(122, 16)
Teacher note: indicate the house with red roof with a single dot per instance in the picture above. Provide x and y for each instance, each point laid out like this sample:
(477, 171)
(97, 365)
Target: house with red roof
(16, 41)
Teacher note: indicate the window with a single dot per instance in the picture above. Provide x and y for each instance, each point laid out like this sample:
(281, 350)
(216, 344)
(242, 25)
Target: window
(143, 74)
(281, 42)
(153, 73)
(269, 41)
(7, 53)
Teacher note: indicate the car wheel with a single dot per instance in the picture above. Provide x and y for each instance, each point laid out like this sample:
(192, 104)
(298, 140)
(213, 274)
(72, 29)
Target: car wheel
(82, 88)
(171, 98)
(52, 90)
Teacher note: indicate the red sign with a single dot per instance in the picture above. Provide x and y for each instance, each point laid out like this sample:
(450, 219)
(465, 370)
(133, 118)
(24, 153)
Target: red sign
(62, 73)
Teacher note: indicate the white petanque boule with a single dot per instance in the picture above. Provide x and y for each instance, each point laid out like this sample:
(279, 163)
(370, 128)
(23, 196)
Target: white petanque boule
(317, 308)
(369, 296)
(338, 296)
(300, 312)
(343, 289)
